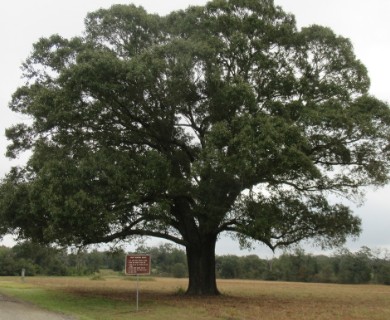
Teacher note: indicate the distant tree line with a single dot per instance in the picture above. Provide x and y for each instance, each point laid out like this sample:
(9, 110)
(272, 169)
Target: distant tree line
(364, 266)
(43, 260)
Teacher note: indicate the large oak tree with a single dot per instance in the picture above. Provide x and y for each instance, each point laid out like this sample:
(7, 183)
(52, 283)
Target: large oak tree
(222, 118)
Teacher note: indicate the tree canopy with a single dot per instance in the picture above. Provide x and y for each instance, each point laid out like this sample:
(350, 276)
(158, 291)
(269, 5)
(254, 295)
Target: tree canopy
(219, 118)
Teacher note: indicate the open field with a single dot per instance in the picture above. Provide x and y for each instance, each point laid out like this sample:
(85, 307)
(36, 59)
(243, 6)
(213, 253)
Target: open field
(161, 298)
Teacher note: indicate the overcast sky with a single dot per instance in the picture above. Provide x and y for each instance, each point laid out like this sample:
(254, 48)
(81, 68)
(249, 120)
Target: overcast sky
(366, 23)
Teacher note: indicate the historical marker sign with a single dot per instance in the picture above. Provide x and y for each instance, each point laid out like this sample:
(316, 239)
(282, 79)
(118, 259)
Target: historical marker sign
(137, 264)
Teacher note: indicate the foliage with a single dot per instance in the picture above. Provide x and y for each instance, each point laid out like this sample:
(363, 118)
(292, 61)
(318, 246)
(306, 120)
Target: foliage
(167, 260)
(35, 259)
(296, 266)
(218, 118)
(353, 268)
(363, 266)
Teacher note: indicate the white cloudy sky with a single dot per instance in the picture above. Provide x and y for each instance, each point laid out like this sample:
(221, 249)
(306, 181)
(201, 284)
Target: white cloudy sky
(366, 23)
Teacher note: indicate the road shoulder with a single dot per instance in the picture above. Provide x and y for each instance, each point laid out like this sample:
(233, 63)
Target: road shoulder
(15, 309)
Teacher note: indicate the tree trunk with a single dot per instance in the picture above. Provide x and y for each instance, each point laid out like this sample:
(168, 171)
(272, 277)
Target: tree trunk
(201, 267)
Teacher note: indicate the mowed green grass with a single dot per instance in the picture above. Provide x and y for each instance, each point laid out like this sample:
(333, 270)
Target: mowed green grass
(162, 298)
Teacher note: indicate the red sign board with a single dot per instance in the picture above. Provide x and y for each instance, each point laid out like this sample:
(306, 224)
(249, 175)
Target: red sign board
(137, 264)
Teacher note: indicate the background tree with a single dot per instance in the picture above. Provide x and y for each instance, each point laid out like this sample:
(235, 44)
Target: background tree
(380, 261)
(228, 267)
(296, 266)
(45, 259)
(166, 260)
(114, 259)
(8, 264)
(222, 118)
(354, 267)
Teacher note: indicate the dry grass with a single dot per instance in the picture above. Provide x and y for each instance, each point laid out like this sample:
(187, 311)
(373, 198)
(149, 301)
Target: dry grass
(240, 299)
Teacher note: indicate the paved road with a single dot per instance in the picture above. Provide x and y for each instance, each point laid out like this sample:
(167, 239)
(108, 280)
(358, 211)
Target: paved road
(11, 309)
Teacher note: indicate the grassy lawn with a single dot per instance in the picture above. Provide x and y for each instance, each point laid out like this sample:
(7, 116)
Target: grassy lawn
(161, 298)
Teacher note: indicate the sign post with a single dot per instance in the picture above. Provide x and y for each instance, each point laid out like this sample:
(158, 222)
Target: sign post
(136, 265)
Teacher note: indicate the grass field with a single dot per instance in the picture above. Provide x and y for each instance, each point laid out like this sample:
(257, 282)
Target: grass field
(162, 298)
